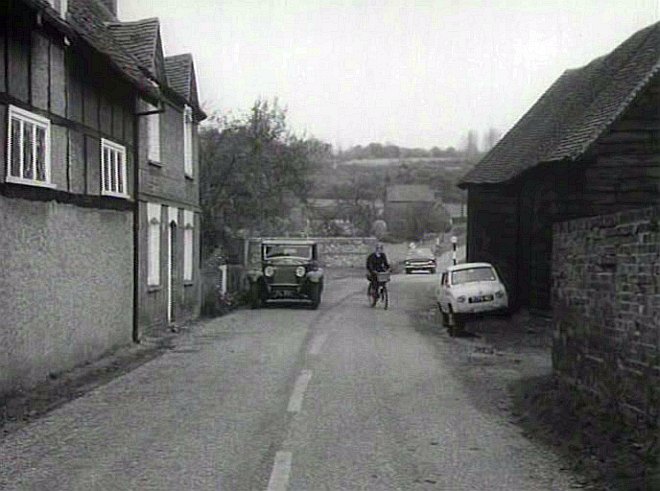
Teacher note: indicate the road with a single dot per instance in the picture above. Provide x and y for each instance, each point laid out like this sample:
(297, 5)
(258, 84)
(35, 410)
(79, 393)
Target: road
(342, 398)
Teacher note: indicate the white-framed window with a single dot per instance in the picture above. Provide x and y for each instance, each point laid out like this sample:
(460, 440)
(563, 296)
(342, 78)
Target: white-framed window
(188, 126)
(153, 140)
(113, 169)
(188, 244)
(28, 148)
(59, 5)
(153, 239)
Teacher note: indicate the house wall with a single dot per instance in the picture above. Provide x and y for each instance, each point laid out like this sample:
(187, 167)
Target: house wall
(67, 251)
(65, 297)
(606, 308)
(166, 184)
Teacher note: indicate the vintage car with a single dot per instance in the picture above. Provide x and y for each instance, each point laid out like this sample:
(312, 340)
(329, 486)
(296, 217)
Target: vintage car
(289, 270)
(467, 289)
(419, 260)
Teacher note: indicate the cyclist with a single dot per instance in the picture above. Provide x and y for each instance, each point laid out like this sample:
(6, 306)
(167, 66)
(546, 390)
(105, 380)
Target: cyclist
(376, 262)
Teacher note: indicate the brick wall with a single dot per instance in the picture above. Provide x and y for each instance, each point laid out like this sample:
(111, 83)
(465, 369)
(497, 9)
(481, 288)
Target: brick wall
(606, 309)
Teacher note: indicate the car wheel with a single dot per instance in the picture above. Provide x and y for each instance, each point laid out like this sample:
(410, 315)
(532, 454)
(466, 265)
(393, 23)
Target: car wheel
(445, 317)
(255, 296)
(407, 271)
(455, 322)
(315, 295)
(432, 270)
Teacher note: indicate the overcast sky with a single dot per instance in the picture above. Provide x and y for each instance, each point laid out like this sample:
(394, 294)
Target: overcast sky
(409, 72)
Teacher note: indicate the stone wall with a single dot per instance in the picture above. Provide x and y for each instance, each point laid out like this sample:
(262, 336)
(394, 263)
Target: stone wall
(606, 309)
(334, 252)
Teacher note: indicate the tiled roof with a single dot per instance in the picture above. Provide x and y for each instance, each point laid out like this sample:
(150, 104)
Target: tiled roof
(88, 18)
(179, 70)
(410, 193)
(140, 39)
(574, 112)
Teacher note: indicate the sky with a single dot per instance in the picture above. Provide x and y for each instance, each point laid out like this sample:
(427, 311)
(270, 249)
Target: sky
(415, 73)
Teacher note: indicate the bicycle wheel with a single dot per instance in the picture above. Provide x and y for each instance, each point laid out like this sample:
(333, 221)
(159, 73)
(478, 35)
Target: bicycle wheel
(373, 295)
(386, 297)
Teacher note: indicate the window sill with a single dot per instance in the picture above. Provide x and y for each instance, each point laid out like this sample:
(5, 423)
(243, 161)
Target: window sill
(30, 182)
(154, 288)
(155, 163)
(189, 177)
(115, 195)
(188, 283)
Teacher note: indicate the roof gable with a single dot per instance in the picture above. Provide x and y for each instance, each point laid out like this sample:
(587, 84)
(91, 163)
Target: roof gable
(88, 19)
(572, 114)
(179, 73)
(142, 40)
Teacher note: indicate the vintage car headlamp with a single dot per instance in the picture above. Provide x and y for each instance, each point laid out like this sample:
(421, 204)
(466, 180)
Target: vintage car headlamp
(300, 271)
(269, 271)
(461, 299)
(499, 293)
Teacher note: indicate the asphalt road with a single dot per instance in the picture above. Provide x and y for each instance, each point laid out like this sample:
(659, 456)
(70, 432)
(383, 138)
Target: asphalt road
(343, 398)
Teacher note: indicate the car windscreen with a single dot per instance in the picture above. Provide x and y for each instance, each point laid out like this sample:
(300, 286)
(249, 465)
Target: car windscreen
(470, 275)
(287, 250)
(420, 253)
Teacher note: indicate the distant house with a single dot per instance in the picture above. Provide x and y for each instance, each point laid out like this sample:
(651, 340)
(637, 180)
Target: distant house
(68, 124)
(589, 146)
(403, 203)
(169, 281)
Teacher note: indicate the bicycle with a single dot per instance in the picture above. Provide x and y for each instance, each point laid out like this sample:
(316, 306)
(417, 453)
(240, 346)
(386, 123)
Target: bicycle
(380, 293)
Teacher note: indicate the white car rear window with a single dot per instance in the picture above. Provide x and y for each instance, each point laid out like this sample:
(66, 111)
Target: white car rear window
(472, 275)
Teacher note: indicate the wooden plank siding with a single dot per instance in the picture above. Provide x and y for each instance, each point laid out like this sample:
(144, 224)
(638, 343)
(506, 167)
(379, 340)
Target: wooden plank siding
(510, 225)
(81, 95)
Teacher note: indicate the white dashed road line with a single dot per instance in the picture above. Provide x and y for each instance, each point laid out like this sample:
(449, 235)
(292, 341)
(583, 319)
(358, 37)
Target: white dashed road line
(317, 344)
(295, 403)
(279, 477)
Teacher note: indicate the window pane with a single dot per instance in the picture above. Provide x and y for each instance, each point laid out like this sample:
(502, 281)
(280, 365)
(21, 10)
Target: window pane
(28, 169)
(41, 153)
(15, 147)
(106, 169)
(113, 171)
(120, 172)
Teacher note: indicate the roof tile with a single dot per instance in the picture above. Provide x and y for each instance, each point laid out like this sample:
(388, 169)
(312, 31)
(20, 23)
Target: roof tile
(574, 111)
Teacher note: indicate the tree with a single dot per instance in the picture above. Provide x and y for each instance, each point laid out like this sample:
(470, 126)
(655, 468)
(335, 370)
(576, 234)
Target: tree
(490, 139)
(253, 170)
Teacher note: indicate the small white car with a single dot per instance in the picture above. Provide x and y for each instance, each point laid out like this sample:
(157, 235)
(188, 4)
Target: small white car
(469, 288)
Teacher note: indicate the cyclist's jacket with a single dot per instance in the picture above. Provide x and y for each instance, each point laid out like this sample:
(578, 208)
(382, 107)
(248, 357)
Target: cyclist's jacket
(377, 263)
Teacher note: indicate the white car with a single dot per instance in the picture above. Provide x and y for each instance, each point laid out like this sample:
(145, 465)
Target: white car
(470, 288)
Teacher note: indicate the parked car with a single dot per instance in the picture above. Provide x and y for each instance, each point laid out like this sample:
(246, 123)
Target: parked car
(469, 288)
(289, 270)
(420, 260)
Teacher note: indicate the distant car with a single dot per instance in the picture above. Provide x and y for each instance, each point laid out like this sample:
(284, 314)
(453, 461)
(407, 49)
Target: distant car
(289, 270)
(470, 288)
(420, 260)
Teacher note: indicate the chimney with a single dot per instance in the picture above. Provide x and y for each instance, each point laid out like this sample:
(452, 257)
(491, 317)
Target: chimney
(111, 5)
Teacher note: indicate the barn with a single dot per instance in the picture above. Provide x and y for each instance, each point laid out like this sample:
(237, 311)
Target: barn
(589, 146)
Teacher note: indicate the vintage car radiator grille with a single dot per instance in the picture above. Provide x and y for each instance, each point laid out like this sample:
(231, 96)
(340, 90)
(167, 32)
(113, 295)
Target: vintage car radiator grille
(285, 275)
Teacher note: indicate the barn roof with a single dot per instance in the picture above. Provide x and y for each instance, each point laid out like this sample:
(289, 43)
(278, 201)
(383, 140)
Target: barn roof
(574, 112)
(410, 193)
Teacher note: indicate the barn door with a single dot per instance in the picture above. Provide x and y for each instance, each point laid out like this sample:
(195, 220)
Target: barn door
(543, 210)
